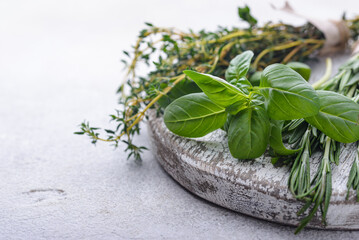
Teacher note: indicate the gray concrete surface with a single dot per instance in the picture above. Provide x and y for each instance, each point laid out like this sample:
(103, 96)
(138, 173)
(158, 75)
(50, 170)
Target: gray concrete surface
(59, 64)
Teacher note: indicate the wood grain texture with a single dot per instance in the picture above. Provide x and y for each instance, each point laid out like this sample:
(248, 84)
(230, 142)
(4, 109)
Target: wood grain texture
(206, 168)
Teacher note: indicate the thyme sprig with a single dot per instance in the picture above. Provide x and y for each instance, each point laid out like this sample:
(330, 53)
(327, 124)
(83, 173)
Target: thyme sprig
(170, 51)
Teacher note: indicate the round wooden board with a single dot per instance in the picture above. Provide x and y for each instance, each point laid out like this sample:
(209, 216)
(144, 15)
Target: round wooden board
(255, 187)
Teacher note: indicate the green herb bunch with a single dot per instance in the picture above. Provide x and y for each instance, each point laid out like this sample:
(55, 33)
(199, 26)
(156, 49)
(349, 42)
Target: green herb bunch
(253, 116)
(170, 51)
(203, 51)
(311, 137)
(260, 107)
(248, 110)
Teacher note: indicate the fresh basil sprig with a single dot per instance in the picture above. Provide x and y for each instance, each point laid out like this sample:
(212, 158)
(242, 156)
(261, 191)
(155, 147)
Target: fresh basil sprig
(283, 94)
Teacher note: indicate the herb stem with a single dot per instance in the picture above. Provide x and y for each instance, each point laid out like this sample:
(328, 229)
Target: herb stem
(284, 46)
(239, 33)
(292, 53)
(165, 91)
(326, 76)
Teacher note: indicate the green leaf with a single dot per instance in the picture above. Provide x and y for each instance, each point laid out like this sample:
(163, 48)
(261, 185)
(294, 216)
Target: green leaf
(239, 66)
(228, 121)
(184, 87)
(255, 79)
(289, 95)
(79, 133)
(243, 84)
(217, 89)
(354, 79)
(237, 107)
(254, 99)
(245, 15)
(149, 24)
(275, 139)
(194, 115)
(109, 131)
(301, 68)
(338, 117)
(248, 133)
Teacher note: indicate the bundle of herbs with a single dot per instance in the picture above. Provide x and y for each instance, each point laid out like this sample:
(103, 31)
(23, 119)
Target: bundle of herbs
(273, 105)
(254, 116)
(338, 112)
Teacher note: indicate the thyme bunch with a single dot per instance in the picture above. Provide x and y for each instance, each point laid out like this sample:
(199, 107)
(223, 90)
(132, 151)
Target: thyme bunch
(170, 51)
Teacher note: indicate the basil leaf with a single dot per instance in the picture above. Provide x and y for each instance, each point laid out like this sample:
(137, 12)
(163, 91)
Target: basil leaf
(184, 87)
(194, 115)
(217, 89)
(338, 117)
(243, 84)
(254, 99)
(255, 79)
(301, 68)
(289, 95)
(228, 121)
(248, 133)
(275, 139)
(237, 107)
(239, 66)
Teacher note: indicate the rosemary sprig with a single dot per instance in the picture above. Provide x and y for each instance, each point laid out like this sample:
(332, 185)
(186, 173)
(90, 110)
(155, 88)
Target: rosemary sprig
(318, 192)
(353, 179)
(299, 179)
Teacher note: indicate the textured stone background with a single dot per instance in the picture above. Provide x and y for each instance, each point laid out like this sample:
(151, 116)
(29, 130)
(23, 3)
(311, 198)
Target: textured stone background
(59, 64)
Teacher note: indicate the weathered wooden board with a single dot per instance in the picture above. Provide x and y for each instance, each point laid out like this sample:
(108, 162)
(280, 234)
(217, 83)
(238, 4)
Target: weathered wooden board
(205, 167)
